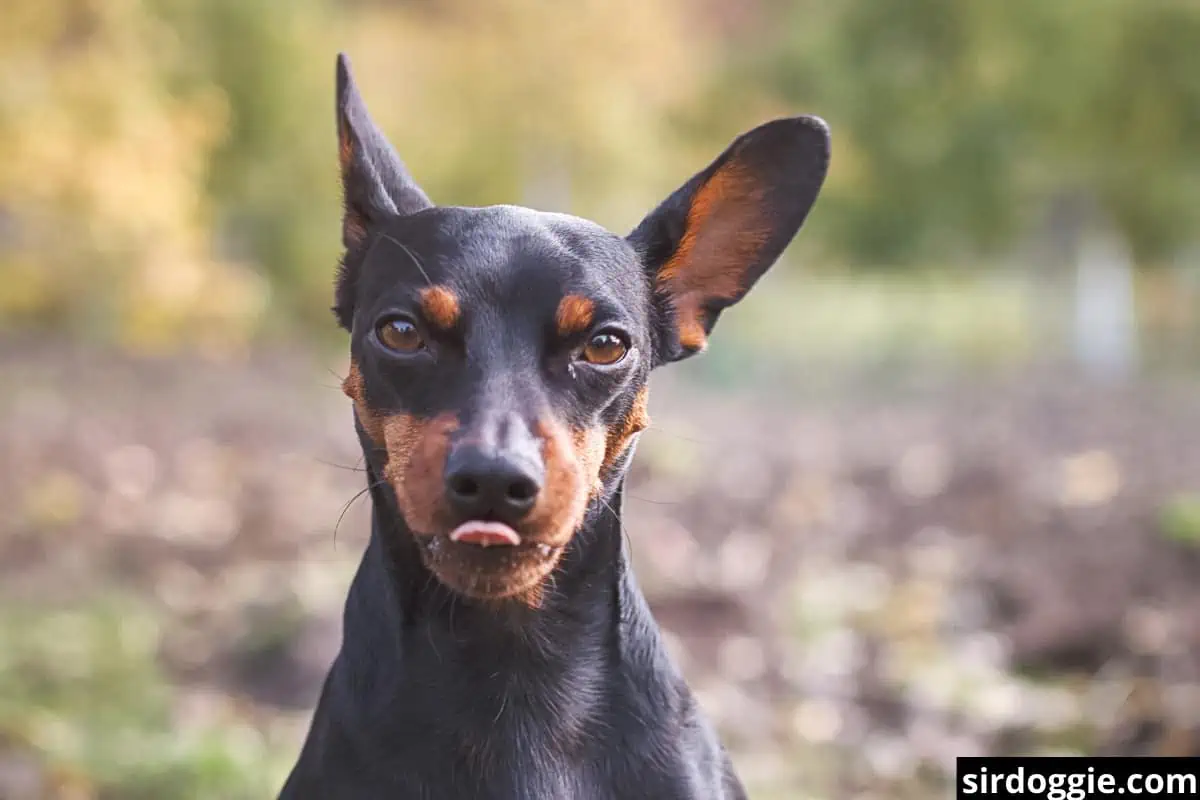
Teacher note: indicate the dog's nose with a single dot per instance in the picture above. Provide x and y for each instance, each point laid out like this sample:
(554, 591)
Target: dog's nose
(490, 485)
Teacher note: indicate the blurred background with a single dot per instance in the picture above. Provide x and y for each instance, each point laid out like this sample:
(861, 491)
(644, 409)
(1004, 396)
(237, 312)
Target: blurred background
(934, 491)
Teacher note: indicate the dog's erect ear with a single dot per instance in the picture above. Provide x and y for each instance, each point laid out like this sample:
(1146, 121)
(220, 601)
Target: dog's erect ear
(711, 240)
(375, 183)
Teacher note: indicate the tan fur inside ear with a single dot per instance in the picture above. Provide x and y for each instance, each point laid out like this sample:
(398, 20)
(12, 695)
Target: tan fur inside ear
(345, 150)
(725, 231)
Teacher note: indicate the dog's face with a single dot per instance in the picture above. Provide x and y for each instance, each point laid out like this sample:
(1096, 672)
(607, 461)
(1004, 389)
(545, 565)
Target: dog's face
(499, 356)
(499, 365)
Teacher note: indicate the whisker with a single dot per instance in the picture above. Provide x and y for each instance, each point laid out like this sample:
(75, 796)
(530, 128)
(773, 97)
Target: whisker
(453, 597)
(503, 703)
(620, 522)
(652, 428)
(355, 468)
(550, 588)
(350, 502)
(726, 445)
(429, 628)
(338, 387)
(651, 501)
(410, 254)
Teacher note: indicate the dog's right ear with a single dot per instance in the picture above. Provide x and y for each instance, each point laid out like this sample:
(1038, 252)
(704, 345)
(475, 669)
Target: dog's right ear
(375, 183)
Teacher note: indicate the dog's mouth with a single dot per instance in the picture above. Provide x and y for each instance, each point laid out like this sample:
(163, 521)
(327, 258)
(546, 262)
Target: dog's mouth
(486, 559)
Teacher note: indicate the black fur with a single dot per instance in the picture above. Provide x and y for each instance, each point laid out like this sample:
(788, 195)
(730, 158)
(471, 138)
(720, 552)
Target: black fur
(437, 696)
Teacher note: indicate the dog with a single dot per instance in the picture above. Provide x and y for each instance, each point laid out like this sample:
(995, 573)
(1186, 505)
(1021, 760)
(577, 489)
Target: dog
(496, 645)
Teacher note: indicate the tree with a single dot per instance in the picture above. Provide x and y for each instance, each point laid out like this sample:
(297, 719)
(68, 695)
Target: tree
(963, 122)
(104, 229)
(272, 176)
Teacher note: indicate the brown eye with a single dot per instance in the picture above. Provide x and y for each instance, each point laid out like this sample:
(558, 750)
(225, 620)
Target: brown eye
(400, 335)
(605, 349)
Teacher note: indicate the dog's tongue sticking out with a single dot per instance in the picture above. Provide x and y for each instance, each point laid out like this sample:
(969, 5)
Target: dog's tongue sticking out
(485, 534)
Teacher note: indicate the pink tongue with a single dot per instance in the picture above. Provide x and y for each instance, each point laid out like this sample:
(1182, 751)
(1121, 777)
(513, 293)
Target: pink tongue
(485, 534)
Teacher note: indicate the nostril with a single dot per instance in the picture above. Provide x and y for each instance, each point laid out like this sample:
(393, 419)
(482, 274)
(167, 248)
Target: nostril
(464, 486)
(522, 490)
(483, 484)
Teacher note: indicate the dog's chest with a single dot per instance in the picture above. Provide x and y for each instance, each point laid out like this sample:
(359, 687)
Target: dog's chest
(612, 760)
(521, 756)
(545, 775)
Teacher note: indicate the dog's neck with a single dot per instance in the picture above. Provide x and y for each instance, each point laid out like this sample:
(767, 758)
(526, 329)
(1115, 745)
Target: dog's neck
(400, 621)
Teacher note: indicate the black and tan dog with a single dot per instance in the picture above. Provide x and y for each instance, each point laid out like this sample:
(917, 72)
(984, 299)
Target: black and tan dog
(496, 644)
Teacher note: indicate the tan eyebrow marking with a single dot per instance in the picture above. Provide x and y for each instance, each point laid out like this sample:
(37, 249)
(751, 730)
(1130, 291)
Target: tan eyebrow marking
(574, 315)
(440, 307)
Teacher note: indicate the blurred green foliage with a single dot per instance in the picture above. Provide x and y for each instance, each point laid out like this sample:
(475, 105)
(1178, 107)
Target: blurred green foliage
(271, 177)
(965, 124)
(82, 693)
(106, 229)
(1179, 519)
(169, 175)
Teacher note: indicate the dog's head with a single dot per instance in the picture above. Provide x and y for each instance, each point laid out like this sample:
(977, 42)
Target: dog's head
(499, 356)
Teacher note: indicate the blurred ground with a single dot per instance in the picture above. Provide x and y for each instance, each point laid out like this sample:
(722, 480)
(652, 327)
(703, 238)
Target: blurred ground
(862, 584)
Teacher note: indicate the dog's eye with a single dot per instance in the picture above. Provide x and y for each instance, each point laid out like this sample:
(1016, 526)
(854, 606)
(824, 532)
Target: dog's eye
(400, 335)
(605, 349)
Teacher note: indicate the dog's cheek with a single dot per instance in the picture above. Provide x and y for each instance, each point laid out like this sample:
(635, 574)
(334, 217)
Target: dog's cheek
(588, 452)
(415, 452)
(621, 436)
(416, 459)
(399, 434)
(572, 459)
(354, 387)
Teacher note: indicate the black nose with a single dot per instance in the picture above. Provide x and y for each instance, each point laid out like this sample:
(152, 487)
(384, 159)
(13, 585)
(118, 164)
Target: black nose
(490, 485)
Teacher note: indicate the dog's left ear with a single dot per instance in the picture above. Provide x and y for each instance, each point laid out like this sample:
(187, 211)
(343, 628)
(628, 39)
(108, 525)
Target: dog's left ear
(708, 243)
(375, 183)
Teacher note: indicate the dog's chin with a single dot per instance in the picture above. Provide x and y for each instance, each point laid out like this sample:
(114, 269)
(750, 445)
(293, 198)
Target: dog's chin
(489, 573)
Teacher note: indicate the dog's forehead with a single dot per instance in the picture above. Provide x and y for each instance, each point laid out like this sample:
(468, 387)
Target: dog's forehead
(503, 253)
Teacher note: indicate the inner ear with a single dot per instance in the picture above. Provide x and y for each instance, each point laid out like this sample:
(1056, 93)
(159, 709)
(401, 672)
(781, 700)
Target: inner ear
(708, 243)
(726, 228)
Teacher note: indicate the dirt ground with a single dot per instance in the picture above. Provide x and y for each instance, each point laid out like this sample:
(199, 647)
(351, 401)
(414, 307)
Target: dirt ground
(861, 586)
